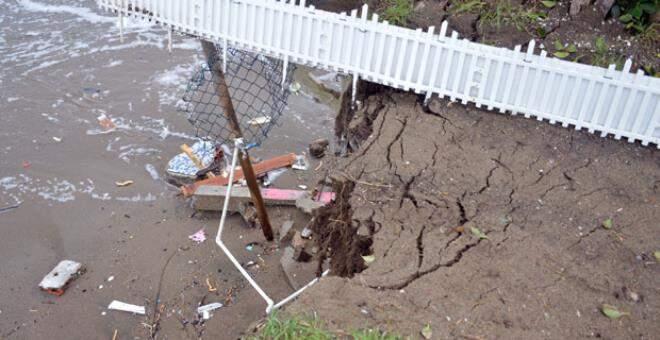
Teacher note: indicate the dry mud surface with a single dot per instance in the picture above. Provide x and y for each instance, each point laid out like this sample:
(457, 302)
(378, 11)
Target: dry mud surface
(539, 193)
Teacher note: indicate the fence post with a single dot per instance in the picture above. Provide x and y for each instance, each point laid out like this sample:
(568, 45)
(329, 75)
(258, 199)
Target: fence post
(210, 52)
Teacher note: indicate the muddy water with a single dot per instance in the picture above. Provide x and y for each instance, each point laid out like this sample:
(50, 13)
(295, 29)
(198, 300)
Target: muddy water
(62, 65)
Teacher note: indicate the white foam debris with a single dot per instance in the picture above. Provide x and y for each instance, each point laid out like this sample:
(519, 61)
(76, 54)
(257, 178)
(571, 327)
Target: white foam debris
(60, 275)
(126, 307)
(81, 12)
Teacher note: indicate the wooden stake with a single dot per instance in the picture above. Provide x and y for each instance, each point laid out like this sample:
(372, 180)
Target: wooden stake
(225, 100)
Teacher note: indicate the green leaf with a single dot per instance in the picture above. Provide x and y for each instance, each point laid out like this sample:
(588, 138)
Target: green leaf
(625, 18)
(612, 312)
(561, 54)
(571, 48)
(558, 45)
(607, 224)
(427, 333)
(600, 44)
(549, 3)
(657, 255)
(478, 233)
(369, 259)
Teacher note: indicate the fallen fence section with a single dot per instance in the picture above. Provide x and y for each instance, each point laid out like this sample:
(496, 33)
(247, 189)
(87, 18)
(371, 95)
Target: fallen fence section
(608, 101)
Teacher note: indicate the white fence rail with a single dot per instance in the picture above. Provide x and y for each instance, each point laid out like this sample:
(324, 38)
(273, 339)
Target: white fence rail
(609, 101)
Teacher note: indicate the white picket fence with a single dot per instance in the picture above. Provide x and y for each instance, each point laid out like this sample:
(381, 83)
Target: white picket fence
(613, 102)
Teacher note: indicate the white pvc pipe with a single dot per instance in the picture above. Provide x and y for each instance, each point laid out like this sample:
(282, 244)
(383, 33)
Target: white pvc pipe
(218, 239)
(238, 143)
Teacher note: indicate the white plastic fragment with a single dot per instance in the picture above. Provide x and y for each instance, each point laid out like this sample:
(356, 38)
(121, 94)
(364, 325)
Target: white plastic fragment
(60, 275)
(126, 307)
(206, 310)
(301, 163)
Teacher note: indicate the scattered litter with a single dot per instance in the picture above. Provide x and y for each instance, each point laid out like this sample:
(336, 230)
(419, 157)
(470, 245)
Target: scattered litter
(319, 166)
(612, 312)
(205, 311)
(198, 237)
(106, 123)
(56, 280)
(249, 247)
(210, 286)
(124, 183)
(302, 186)
(427, 333)
(271, 176)
(114, 335)
(306, 233)
(478, 233)
(317, 148)
(259, 120)
(126, 307)
(100, 286)
(152, 171)
(368, 259)
(182, 165)
(111, 278)
(295, 88)
(301, 163)
(26, 164)
(57, 139)
(607, 224)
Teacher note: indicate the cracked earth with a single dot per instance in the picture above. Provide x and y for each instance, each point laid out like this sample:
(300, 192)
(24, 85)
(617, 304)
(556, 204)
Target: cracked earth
(420, 179)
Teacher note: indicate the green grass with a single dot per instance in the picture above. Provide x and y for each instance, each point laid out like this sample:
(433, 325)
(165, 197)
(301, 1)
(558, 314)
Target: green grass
(469, 6)
(497, 14)
(506, 13)
(295, 328)
(397, 11)
(602, 56)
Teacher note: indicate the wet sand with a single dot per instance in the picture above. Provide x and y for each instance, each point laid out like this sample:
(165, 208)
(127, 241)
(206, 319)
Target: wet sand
(62, 65)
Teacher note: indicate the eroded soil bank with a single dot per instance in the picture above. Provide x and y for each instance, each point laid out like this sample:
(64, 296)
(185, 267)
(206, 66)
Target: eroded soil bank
(422, 179)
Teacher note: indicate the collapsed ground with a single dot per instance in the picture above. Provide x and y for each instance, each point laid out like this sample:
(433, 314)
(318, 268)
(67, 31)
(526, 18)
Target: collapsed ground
(423, 182)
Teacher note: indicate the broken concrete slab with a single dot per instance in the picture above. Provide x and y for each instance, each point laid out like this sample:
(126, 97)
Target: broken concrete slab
(56, 280)
(212, 197)
(308, 205)
(286, 231)
(288, 264)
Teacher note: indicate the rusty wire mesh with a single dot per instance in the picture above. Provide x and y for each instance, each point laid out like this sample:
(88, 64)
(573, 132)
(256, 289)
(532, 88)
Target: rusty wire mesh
(256, 90)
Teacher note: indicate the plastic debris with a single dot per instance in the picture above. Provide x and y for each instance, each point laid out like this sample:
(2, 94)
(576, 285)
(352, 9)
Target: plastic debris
(259, 120)
(56, 280)
(123, 183)
(57, 139)
(126, 307)
(205, 310)
(152, 171)
(26, 164)
(271, 176)
(106, 123)
(198, 237)
(301, 163)
(302, 186)
(182, 166)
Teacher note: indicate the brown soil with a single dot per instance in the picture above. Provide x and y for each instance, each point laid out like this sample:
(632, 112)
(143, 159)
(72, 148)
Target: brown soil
(422, 179)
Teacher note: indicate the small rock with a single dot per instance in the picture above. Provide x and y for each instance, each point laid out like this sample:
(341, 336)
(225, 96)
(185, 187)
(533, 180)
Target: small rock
(286, 231)
(317, 148)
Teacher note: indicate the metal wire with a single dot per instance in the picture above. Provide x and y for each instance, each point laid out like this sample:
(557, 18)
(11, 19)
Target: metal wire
(257, 91)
